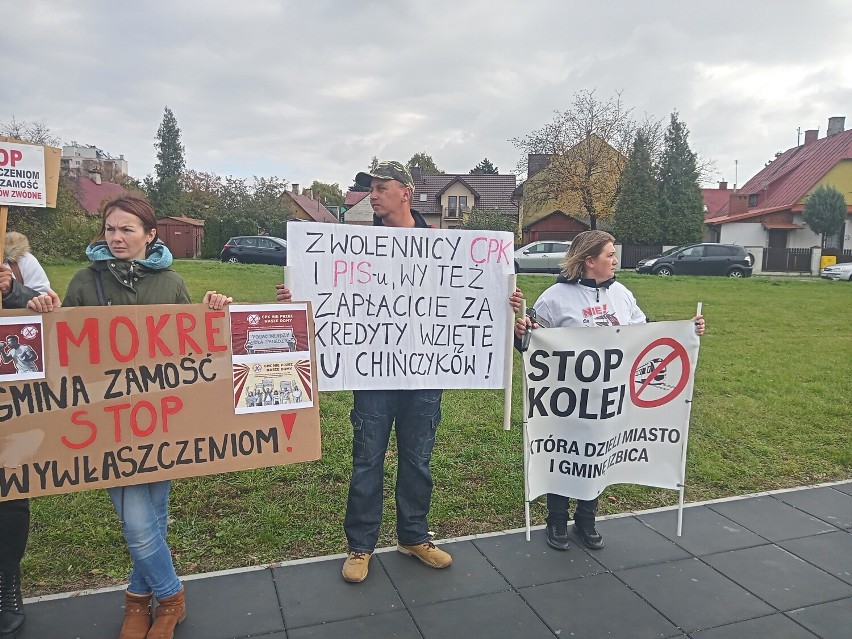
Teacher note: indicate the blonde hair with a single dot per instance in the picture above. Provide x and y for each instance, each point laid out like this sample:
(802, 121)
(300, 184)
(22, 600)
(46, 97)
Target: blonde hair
(586, 244)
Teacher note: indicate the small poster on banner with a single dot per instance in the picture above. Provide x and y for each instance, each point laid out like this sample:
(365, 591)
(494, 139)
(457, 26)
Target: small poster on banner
(271, 358)
(21, 348)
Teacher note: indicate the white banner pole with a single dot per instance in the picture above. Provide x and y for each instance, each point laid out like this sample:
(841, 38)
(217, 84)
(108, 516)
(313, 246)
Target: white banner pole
(510, 357)
(526, 436)
(683, 464)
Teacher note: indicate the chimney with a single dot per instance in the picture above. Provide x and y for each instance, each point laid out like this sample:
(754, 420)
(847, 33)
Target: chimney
(95, 176)
(811, 136)
(723, 186)
(295, 187)
(835, 125)
(416, 175)
(308, 193)
(738, 204)
(537, 162)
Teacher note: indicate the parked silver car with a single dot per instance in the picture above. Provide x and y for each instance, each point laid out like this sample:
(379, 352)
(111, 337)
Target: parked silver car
(542, 257)
(837, 272)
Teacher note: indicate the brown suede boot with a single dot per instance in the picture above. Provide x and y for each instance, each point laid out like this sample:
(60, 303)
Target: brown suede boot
(170, 612)
(137, 616)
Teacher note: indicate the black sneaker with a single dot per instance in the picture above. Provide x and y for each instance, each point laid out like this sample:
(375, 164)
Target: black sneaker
(557, 536)
(590, 537)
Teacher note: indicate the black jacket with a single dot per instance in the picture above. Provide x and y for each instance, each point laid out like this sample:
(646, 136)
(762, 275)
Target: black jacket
(419, 220)
(18, 295)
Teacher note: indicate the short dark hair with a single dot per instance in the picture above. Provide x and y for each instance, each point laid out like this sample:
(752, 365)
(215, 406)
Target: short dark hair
(135, 205)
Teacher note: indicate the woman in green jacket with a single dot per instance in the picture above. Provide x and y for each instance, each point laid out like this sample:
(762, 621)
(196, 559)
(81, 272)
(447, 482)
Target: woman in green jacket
(131, 266)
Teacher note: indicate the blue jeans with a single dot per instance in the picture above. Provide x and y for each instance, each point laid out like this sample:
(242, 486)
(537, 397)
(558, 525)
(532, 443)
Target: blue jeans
(416, 413)
(144, 513)
(557, 510)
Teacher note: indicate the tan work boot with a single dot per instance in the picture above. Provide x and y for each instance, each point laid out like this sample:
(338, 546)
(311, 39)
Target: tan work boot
(137, 616)
(170, 612)
(355, 567)
(428, 553)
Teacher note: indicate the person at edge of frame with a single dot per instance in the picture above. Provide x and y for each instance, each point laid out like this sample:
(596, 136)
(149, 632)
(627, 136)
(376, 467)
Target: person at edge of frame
(414, 412)
(585, 285)
(131, 266)
(15, 513)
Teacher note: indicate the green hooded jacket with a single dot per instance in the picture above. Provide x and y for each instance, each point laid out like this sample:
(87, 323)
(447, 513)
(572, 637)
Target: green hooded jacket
(150, 281)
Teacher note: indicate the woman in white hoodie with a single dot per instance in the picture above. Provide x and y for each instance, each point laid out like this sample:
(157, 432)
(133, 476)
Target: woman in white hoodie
(585, 295)
(24, 265)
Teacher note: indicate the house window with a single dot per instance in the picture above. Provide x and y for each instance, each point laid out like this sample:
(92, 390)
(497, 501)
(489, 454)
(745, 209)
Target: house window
(451, 205)
(752, 199)
(835, 241)
(462, 204)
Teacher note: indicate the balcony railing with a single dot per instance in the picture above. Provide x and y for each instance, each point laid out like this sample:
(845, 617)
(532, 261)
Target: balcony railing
(454, 213)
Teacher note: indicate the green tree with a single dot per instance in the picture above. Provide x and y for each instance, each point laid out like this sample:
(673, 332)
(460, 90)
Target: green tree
(363, 189)
(825, 211)
(587, 147)
(327, 194)
(489, 220)
(165, 188)
(681, 202)
(637, 210)
(425, 162)
(486, 167)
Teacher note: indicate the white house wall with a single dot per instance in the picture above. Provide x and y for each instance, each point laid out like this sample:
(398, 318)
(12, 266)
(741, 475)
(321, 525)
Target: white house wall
(804, 238)
(743, 233)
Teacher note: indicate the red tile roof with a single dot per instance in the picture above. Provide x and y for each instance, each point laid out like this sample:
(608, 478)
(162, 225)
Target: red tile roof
(788, 178)
(92, 196)
(715, 199)
(313, 208)
(353, 197)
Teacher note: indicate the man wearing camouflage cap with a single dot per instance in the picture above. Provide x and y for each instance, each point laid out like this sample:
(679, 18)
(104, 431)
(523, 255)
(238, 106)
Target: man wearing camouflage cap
(416, 414)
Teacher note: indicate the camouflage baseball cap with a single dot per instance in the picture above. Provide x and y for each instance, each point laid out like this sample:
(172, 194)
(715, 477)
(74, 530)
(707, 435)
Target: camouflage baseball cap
(387, 170)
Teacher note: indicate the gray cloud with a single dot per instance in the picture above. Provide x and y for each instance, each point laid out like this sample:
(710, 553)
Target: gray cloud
(312, 90)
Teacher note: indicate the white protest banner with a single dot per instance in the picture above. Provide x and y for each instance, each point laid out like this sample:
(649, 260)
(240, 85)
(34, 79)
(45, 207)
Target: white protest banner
(22, 175)
(607, 406)
(404, 308)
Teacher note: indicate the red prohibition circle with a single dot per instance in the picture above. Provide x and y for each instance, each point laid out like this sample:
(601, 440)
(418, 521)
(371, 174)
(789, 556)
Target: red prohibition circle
(678, 351)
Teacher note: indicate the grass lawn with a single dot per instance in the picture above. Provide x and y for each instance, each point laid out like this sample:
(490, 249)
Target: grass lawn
(772, 409)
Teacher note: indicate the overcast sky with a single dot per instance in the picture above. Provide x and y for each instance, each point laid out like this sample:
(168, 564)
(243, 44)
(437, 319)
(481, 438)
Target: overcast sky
(313, 89)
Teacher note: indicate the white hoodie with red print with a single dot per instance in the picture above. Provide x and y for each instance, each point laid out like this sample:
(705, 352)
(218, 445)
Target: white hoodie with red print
(585, 304)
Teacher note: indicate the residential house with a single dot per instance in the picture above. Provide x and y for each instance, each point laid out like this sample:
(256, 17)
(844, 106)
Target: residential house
(444, 199)
(358, 208)
(306, 208)
(563, 218)
(92, 193)
(765, 215)
(714, 200)
(82, 160)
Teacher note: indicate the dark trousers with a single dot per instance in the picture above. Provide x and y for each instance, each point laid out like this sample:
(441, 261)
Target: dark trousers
(557, 510)
(14, 530)
(415, 415)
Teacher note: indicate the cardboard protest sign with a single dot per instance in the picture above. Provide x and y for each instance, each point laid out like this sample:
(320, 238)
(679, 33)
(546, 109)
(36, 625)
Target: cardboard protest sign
(134, 394)
(404, 308)
(29, 174)
(607, 406)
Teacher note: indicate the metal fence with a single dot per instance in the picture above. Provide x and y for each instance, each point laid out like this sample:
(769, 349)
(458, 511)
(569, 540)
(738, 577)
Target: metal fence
(632, 253)
(796, 260)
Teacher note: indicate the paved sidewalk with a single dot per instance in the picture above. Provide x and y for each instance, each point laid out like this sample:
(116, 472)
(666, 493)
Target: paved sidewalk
(774, 565)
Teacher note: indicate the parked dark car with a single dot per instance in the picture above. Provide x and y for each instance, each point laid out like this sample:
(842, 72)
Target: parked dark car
(255, 249)
(730, 260)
